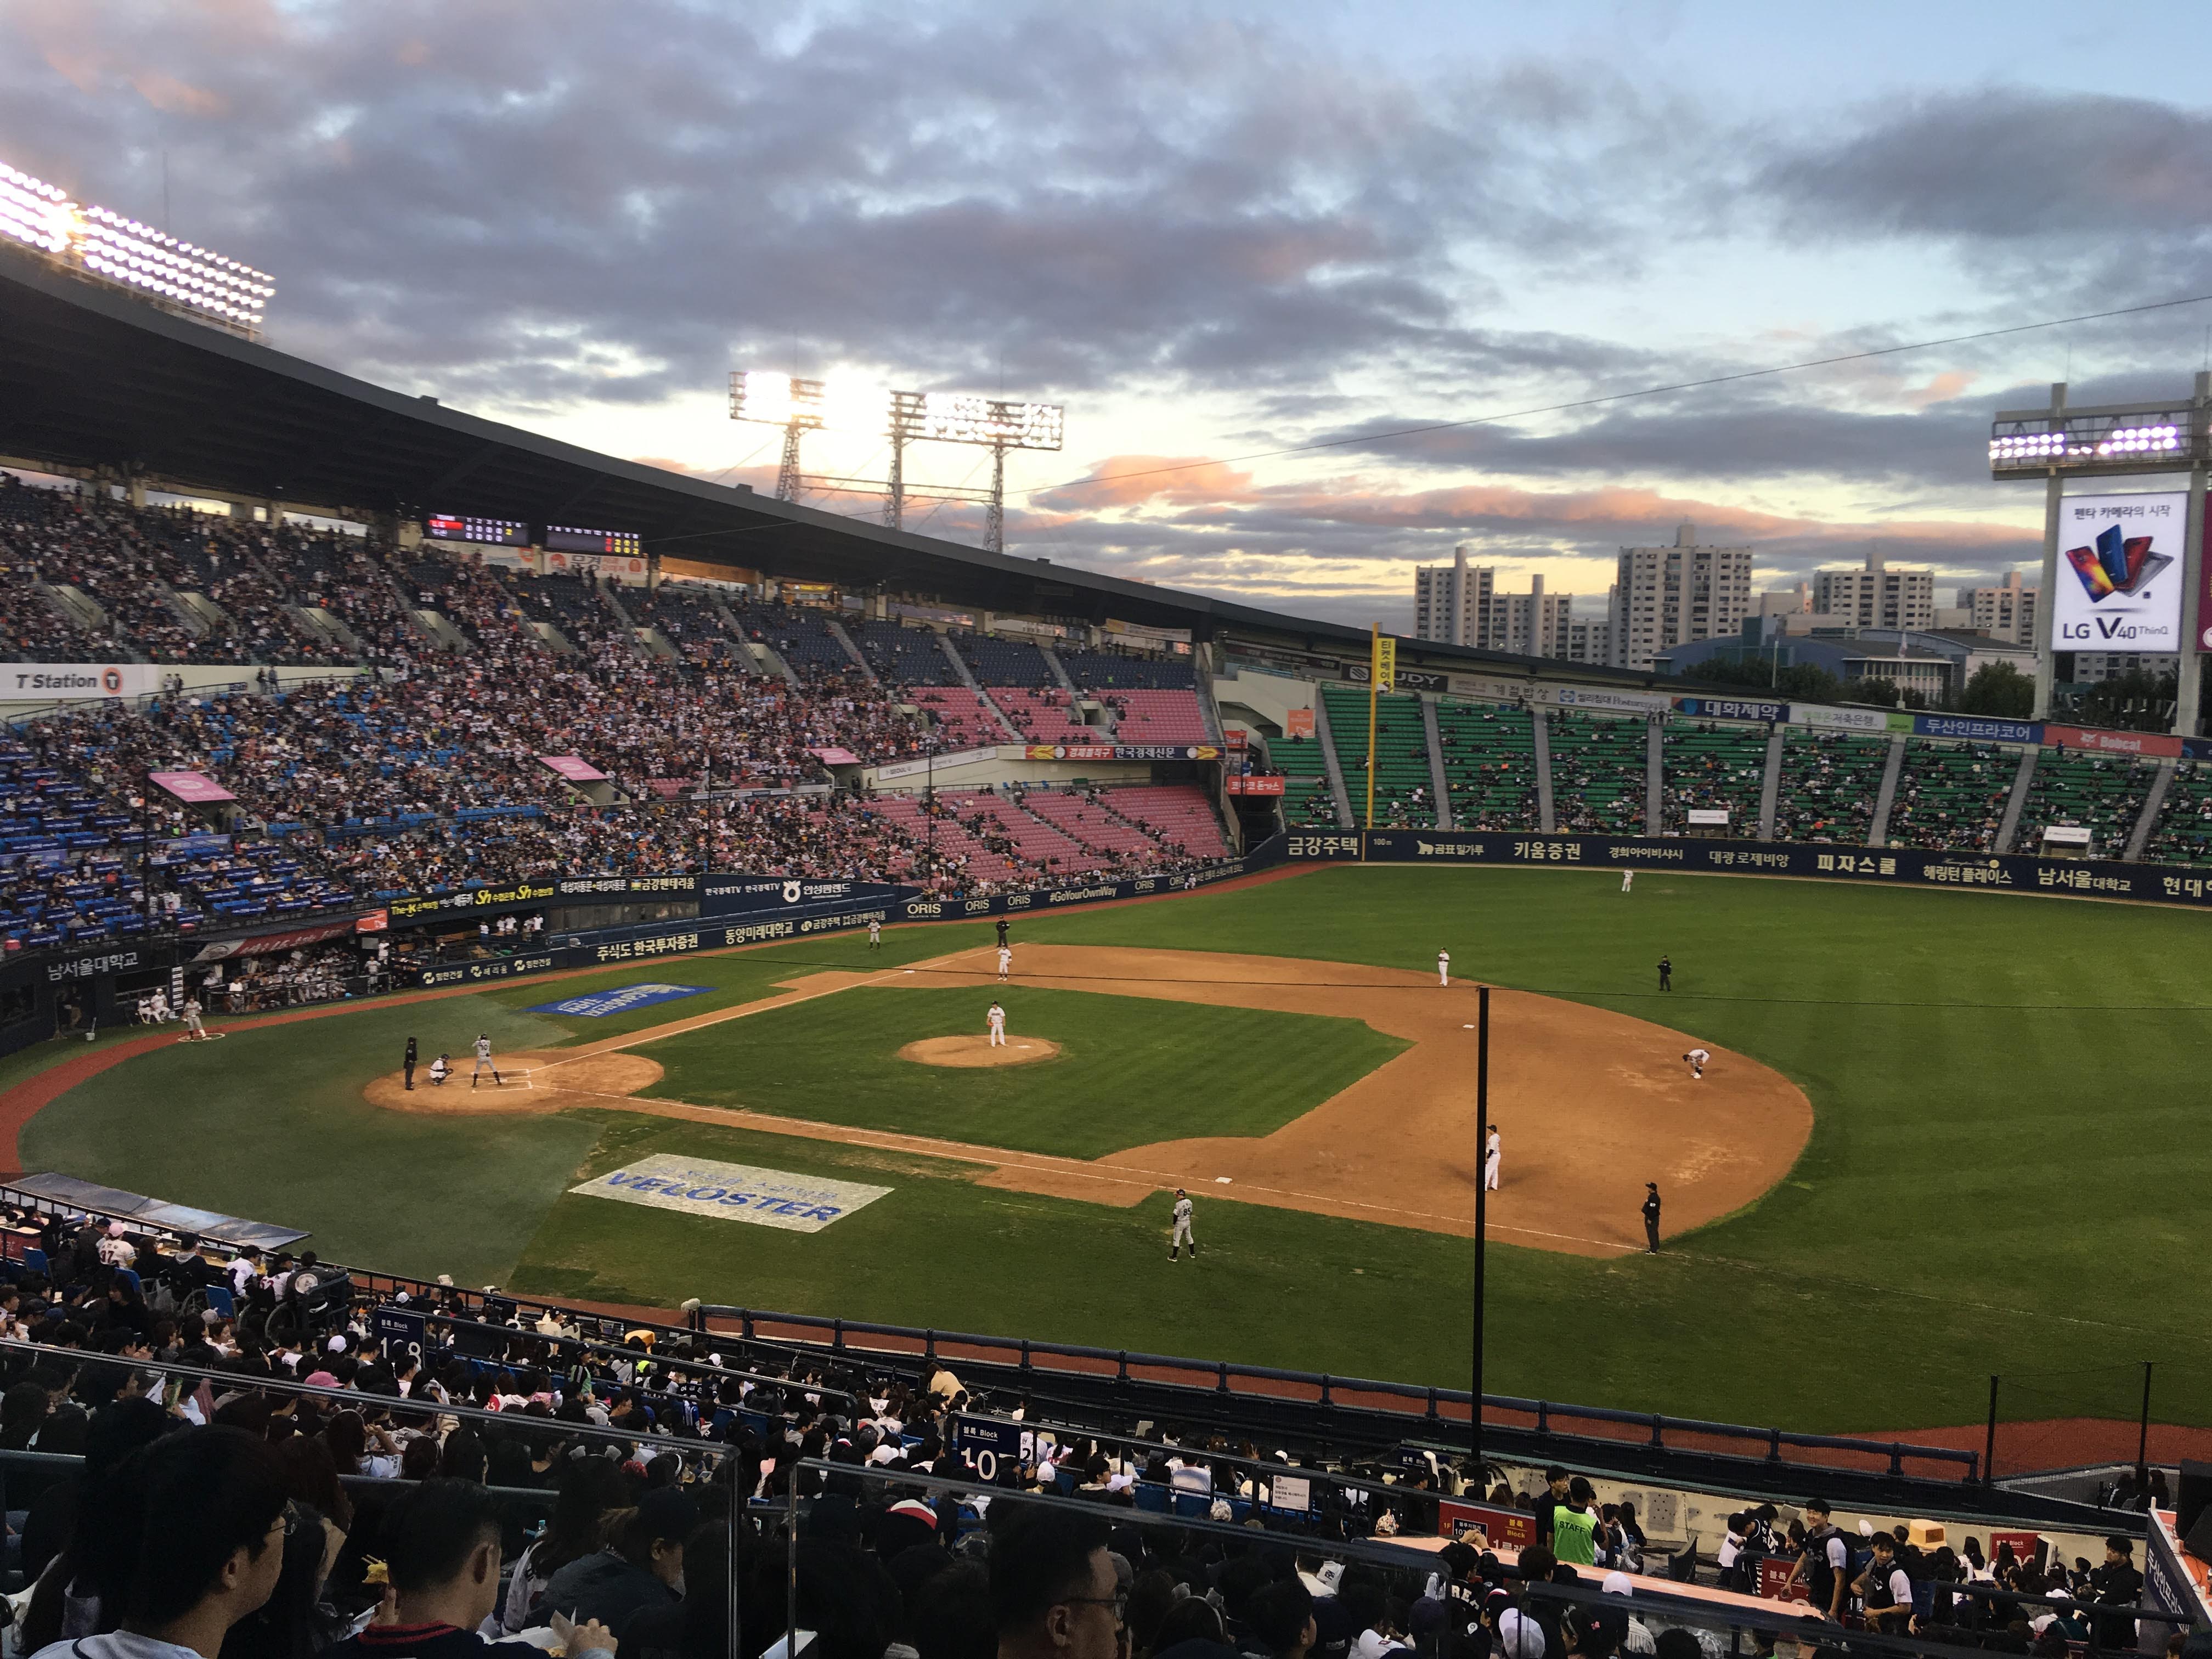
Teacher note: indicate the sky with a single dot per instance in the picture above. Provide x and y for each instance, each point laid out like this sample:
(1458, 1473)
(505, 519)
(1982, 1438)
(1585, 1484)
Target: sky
(1213, 233)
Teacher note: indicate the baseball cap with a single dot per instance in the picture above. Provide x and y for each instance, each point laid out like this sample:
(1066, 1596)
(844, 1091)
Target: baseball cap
(1518, 1637)
(914, 1509)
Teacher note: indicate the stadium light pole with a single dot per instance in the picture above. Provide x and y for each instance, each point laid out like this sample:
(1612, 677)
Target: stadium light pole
(1481, 1217)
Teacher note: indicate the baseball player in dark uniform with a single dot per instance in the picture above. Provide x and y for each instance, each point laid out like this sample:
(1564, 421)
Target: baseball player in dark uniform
(1666, 974)
(1002, 933)
(1650, 1218)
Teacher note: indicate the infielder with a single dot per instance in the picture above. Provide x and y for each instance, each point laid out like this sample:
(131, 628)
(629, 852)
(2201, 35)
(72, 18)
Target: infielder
(1006, 960)
(194, 1031)
(1444, 967)
(997, 1021)
(1627, 880)
(875, 934)
(1182, 1227)
(484, 1062)
(1697, 1057)
(1490, 1159)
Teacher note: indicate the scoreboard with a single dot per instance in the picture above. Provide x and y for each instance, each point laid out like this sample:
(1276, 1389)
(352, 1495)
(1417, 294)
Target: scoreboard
(465, 527)
(569, 538)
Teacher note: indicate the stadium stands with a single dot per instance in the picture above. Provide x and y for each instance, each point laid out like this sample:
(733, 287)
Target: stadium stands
(1712, 767)
(1176, 816)
(1490, 763)
(1830, 782)
(1405, 788)
(1101, 671)
(1045, 716)
(1307, 803)
(965, 718)
(2183, 834)
(2102, 793)
(996, 662)
(1599, 773)
(902, 655)
(1951, 794)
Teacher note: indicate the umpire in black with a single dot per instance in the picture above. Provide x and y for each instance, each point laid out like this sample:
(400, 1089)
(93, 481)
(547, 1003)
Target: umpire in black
(408, 1064)
(1650, 1218)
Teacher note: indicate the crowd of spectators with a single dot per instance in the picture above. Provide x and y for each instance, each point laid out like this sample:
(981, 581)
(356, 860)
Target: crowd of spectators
(428, 1471)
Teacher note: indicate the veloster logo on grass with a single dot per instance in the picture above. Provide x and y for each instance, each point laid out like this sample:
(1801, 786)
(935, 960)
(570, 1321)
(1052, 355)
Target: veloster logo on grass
(732, 1192)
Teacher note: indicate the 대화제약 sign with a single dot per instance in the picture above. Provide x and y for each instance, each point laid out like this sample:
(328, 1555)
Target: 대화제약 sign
(732, 1192)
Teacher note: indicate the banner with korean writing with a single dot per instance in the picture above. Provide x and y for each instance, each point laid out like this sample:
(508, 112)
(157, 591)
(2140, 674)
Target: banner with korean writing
(2119, 573)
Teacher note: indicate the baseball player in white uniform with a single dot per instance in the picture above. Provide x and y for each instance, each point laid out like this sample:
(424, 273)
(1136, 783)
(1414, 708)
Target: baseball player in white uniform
(1697, 1057)
(194, 1031)
(875, 934)
(997, 1020)
(484, 1062)
(1627, 880)
(1490, 1159)
(1006, 960)
(1444, 967)
(1182, 1227)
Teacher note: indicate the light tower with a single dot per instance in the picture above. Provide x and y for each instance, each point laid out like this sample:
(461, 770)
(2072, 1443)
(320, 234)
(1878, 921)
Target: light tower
(904, 417)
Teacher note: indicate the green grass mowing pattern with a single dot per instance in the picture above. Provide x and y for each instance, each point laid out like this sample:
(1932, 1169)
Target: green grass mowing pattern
(1131, 1071)
(2012, 1188)
(269, 1124)
(736, 977)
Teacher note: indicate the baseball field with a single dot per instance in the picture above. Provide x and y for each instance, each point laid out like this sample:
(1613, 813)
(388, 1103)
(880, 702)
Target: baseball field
(1958, 1130)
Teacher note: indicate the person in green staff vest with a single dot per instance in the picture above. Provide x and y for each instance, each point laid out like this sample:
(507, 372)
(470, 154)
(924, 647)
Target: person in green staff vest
(1574, 1525)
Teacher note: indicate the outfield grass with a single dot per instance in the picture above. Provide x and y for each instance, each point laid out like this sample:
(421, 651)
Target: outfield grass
(2005, 1173)
(1130, 1070)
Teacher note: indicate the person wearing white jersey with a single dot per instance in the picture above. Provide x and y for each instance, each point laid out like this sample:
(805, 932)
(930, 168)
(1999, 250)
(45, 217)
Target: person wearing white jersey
(484, 1062)
(1697, 1057)
(1444, 967)
(1627, 880)
(875, 933)
(1006, 960)
(1490, 1159)
(1182, 1227)
(997, 1020)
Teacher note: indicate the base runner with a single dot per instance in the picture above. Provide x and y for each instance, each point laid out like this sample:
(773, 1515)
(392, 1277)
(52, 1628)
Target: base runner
(1182, 1236)
(1006, 960)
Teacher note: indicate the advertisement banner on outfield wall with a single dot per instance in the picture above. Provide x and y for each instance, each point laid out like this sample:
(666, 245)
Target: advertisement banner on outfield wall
(1914, 866)
(1583, 696)
(40, 682)
(619, 887)
(1976, 728)
(732, 894)
(2156, 743)
(1732, 708)
(1849, 719)
(2120, 564)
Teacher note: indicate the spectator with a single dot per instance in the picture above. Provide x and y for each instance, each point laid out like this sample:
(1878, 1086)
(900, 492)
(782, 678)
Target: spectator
(1053, 1591)
(442, 1556)
(639, 1565)
(191, 1540)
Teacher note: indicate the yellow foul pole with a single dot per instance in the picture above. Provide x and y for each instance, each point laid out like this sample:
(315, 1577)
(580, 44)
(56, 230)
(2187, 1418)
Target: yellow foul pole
(1382, 666)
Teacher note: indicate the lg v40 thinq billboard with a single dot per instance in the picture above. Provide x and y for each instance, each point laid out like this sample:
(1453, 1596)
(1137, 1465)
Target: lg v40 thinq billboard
(2119, 573)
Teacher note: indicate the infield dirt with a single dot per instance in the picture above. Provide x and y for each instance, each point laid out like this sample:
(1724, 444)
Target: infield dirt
(1589, 1104)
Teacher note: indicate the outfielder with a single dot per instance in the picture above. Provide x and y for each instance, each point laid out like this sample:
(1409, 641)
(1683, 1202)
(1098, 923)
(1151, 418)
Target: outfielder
(1697, 1057)
(1627, 880)
(484, 1062)
(1443, 968)
(1006, 960)
(1490, 1159)
(997, 1020)
(1182, 1227)
(875, 934)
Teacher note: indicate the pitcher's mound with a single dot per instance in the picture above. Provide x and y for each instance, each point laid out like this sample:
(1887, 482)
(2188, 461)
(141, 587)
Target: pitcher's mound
(978, 1051)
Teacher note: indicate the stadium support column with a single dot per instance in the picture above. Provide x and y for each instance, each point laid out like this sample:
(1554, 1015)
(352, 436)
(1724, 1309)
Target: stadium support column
(2046, 659)
(2189, 667)
(787, 471)
(995, 524)
(1481, 1222)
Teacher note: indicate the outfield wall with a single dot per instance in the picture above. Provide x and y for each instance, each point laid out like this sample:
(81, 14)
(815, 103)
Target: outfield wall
(1912, 866)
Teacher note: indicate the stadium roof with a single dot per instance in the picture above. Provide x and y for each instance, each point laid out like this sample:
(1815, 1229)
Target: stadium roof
(92, 378)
